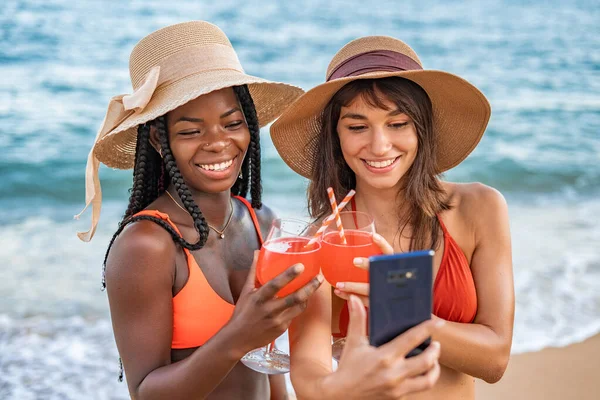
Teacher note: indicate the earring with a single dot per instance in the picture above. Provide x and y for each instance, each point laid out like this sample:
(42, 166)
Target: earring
(240, 176)
(160, 153)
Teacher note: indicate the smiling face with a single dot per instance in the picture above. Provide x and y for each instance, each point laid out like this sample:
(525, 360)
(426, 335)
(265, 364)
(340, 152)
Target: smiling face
(209, 138)
(376, 134)
(378, 141)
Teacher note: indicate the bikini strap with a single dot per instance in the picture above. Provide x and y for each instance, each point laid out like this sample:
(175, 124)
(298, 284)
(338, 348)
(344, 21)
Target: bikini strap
(254, 218)
(442, 225)
(159, 215)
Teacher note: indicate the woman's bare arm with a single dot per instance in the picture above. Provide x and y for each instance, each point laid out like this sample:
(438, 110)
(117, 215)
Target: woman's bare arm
(482, 349)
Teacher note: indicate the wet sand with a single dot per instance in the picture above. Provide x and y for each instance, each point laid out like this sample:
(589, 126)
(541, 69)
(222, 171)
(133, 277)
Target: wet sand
(571, 372)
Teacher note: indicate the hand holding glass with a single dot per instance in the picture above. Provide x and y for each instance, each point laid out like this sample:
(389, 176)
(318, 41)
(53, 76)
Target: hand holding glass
(337, 258)
(286, 245)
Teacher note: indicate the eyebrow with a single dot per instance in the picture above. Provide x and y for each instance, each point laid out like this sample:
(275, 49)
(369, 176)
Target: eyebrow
(353, 116)
(228, 113)
(362, 117)
(224, 115)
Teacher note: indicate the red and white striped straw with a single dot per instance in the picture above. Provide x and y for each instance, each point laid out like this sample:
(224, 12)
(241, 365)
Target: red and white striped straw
(336, 215)
(331, 217)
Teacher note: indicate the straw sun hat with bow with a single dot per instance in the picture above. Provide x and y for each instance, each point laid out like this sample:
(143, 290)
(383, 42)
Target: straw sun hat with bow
(460, 111)
(168, 68)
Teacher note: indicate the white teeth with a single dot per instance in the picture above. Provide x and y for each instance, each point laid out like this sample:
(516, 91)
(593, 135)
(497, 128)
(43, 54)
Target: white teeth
(380, 164)
(217, 167)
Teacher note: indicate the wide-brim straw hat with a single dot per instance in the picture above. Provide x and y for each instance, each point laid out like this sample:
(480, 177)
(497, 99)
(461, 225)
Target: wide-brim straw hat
(168, 68)
(460, 111)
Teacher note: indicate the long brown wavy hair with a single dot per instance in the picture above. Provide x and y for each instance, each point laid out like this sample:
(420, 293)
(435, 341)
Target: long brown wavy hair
(422, 192)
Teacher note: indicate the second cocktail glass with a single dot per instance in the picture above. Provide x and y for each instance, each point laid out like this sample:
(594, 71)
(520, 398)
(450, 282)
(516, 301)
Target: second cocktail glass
(286, 245)
(337, 258)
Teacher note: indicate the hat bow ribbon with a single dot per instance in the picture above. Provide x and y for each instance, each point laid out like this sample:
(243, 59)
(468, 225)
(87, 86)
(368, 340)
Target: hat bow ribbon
(119, 108)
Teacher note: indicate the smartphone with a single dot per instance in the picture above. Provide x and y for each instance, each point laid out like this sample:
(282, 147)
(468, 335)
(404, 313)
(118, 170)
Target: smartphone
(400, 295)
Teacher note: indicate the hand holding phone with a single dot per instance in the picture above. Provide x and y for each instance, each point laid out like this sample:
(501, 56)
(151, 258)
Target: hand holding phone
(383, 373)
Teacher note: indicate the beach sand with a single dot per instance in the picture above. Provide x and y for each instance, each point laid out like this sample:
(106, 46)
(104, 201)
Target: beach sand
(571, 372)
(564, 373)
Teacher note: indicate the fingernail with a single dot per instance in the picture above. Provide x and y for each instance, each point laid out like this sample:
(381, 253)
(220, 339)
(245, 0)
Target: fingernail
(350, 303)
(337, 292)
(377, 237)
(358, 261)
(298, 268)
(320, 278)
(439, 323)
(340, 285)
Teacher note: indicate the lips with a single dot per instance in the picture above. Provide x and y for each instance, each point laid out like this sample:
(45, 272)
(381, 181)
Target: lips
(381, 163)
(218, 170)
(220, 166)
(381, 166)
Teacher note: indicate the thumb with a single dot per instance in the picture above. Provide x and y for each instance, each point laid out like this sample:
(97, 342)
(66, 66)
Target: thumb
(357, 328)
(250, 283)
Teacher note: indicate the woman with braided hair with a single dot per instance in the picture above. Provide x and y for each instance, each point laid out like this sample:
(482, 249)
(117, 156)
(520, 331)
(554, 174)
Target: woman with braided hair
(179, 270)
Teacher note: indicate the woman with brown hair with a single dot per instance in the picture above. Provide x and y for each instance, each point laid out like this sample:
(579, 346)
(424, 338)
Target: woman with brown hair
(387, 128)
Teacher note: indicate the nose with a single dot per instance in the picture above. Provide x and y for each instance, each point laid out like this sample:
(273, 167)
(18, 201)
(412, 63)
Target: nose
(380, 144)
(216, 141)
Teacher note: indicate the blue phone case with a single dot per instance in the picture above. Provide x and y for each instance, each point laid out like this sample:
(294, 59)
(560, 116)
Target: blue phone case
(400, 295)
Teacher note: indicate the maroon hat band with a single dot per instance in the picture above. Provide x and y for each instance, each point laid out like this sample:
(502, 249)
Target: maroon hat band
(374, 61)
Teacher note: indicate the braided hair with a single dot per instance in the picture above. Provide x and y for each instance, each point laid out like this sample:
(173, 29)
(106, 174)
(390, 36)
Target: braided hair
(150, 178)
(252, 160)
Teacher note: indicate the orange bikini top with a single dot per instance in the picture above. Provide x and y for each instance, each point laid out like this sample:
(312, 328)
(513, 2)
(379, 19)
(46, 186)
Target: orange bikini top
(454, 294)
(198, 311)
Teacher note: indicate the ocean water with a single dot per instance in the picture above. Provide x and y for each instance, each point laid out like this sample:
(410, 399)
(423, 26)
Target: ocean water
(60, 61)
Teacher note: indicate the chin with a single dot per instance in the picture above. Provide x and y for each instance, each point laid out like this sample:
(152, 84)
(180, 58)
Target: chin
(214, 186)
(379, 182)
(383, 184)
